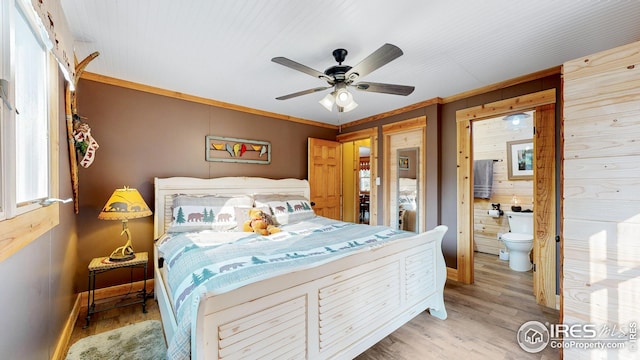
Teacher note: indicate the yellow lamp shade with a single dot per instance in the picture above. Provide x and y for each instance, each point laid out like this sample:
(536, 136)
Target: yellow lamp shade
(125, 204)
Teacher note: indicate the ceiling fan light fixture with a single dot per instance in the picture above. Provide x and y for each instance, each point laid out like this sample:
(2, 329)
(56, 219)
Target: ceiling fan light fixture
(348, 107)
(328, 101)
(343, 96)
(516, 118)
(340, 76)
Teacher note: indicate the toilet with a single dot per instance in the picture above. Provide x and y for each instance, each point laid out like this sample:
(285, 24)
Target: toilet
(519, 241)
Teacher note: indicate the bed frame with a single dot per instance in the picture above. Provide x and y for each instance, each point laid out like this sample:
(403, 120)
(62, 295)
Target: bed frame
(336, 310)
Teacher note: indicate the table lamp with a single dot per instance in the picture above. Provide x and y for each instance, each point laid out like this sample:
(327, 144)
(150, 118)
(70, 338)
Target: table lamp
(124, 204)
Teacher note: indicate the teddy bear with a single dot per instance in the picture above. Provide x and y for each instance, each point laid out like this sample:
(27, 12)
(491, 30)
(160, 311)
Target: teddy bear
(259, 223)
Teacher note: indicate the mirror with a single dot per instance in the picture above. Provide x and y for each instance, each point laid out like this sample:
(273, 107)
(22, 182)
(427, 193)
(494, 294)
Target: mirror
(407, 189)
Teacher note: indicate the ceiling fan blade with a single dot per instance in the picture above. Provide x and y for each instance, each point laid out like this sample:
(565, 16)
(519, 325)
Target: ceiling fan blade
(303, 92)
(385, 88)
(297, 66)
(385, 54)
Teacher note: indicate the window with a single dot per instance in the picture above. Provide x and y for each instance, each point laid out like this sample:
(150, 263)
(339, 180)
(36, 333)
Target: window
(28, 127)
(365, 175)
(31, 117)
(365, 180)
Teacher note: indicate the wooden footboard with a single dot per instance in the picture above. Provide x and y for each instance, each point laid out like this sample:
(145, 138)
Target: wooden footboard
(337, 310)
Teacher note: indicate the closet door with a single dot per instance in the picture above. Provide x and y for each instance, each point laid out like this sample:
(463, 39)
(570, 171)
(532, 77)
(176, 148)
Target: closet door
(325, 177)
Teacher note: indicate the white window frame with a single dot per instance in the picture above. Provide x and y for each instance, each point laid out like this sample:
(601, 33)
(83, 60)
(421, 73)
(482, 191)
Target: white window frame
(20, 225)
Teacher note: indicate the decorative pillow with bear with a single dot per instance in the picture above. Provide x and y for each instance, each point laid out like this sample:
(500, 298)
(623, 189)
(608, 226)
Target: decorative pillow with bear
(194, 213)
(286, 208)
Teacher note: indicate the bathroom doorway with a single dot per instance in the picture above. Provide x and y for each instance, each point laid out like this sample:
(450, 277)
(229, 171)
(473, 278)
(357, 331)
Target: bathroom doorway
(544, 192)
(503, 181)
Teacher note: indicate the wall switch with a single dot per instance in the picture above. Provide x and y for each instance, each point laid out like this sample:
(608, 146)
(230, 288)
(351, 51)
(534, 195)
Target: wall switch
(378, 181)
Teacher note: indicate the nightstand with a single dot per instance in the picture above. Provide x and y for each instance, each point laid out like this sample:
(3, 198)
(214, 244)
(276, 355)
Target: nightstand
(103, 264)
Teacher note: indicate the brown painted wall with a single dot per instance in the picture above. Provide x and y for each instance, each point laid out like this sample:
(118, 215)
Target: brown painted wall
(142, 136)
(441, 150)
(38, 280)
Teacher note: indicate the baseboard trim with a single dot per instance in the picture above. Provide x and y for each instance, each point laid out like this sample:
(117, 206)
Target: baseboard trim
(117, 290)
(81, 303)
(63, 339)
(452, 274)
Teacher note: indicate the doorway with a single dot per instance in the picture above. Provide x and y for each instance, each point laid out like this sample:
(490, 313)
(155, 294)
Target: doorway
(544, 192)
(363, 181)
(359, 163)
(404, 174)
(502, 149)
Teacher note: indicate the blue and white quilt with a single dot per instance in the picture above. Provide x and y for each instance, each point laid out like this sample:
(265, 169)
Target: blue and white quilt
(214, 262)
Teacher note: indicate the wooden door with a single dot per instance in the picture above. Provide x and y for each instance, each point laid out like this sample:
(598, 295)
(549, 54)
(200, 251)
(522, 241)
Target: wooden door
(325, 177)
(544, 191)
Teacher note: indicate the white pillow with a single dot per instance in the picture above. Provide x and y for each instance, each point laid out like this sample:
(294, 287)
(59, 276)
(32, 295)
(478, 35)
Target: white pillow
(210, 212)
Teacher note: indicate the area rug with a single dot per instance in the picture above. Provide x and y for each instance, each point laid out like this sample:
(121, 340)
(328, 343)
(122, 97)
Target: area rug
(140, 341)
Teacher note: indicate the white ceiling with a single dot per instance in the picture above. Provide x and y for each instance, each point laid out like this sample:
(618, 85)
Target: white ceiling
(222, 50)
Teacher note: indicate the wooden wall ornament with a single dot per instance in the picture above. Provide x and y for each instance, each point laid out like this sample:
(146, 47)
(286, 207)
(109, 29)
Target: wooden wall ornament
(227, 149)
(71, 113)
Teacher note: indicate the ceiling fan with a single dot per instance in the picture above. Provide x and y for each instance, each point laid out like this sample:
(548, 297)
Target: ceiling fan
(339, 77)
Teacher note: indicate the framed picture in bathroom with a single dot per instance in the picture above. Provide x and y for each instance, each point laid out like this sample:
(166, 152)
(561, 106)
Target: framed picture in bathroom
(520, 159)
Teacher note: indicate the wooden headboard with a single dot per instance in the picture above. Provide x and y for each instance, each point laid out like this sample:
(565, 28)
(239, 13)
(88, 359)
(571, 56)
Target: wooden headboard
(165, 188)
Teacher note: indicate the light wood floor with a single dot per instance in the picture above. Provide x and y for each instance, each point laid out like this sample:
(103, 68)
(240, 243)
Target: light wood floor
(483, 319)
(482, 324)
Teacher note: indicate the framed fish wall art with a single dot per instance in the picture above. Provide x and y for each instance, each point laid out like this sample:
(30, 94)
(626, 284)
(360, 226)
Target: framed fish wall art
(227, 149)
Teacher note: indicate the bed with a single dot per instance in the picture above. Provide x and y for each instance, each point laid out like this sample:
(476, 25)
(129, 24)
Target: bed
(325, 306)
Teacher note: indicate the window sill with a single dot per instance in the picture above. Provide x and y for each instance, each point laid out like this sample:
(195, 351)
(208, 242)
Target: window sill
(20, 231)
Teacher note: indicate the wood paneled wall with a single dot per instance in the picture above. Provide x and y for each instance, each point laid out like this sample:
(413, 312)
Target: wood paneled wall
(601, 227)
(490, 139)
